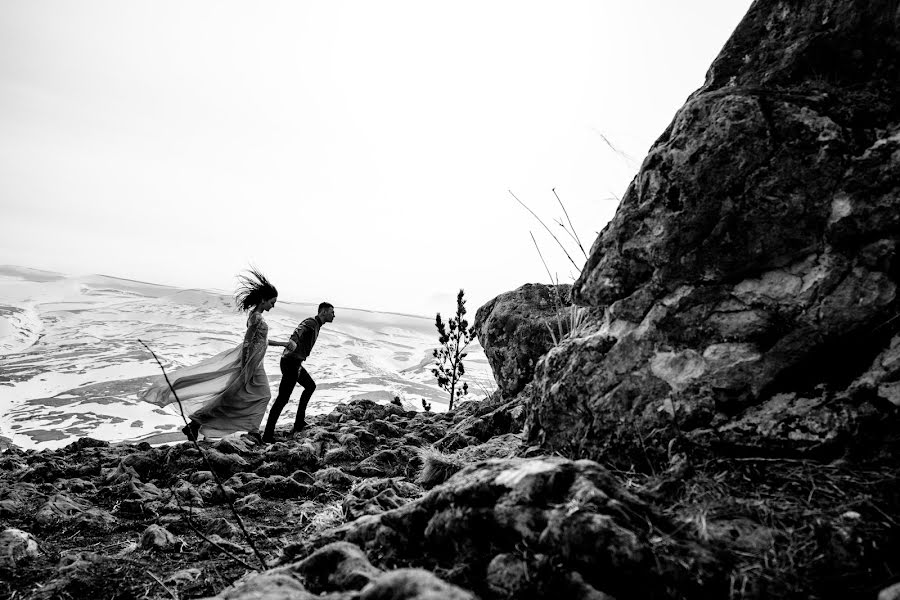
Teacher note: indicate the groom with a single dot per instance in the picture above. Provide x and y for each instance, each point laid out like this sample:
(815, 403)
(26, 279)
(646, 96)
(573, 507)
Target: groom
(292, 372)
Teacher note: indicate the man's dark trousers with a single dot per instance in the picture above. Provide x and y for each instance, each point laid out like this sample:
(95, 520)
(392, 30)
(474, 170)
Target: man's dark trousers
(292, 373)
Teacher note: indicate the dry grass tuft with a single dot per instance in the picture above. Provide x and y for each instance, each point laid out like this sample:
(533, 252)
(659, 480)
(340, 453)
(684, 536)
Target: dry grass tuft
(331, 515)
(436, 467)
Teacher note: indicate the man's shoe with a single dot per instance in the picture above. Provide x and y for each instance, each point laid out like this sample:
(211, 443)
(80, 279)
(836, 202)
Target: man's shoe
(256, 437)
(268, 440)
(297, 430)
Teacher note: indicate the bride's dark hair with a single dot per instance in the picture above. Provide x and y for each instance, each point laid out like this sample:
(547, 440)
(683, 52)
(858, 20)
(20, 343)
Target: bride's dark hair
(253, 289)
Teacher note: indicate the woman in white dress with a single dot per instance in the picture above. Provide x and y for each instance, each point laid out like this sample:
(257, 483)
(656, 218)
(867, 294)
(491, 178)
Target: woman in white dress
(230, 391)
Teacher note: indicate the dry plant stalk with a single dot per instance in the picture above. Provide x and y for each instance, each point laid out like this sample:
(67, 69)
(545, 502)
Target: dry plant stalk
(203, 535)
(565, 324)
(215, 475)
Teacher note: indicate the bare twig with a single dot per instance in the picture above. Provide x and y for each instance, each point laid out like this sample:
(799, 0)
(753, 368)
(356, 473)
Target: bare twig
(196, 529)
(218, 481)
(571, 229)
(627, 158)
(164, 586)
(541, 221)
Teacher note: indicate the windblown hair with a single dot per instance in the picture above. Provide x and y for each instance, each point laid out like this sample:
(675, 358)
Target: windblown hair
(253, 289)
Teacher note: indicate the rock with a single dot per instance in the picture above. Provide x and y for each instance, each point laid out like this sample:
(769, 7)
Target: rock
(499, 446)
(46, 471)
(374, 496)
(9, 508)
(252, 503)
(121, 473)
(96, 518)
(515, 331)
(85, 442)
(383, 429)
(74, 560)
(233, 444)
(61, 508)
(340, 566)
(77, 486)
(882, 378)
(184, 576)
(267, 586)
(411, 439)
(334, 477)
(454, 441)
(146, 492)
(507, 576)
(277, 486)
(130, 508)
(147, 465)
(199, 477)
(221, 527)
(274, 468)
(412, 584)
(430, 432)
(787, 424)
(187, 494)
(340, 456)
(226, 465)
(388, 463)
(366, 437)
(18, 497)
(246, 483)
(573, 511)
(213, 494)
(303, 477)
(495, 418)
(17, 546)
(215, 544)
(890, 593)
(752, 264)
(159, 538)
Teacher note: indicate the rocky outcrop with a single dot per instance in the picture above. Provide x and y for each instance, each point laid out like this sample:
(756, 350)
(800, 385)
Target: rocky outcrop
(749, 278)
(517, 328)
(539, 528)
(492, 523)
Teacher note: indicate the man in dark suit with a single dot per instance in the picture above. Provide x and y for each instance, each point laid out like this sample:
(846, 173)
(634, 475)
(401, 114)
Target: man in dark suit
(292, 372)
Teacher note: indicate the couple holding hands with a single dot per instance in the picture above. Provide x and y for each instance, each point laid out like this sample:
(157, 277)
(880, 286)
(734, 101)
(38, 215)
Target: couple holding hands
(230, 391)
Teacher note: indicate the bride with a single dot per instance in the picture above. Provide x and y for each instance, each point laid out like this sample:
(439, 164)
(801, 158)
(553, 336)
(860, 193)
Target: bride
(230, 391)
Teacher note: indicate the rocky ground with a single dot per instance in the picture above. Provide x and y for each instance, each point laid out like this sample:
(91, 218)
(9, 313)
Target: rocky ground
(375, 502)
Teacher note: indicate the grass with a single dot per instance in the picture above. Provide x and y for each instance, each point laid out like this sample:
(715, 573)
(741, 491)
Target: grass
(568, 321)
(568, 316)
(794, 528)
(437, 467)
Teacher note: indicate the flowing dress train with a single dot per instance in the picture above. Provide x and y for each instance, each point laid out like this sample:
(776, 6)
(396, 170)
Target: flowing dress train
(225, 393)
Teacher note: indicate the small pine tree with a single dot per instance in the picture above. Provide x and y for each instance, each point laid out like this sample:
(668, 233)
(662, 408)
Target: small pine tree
(454, 337)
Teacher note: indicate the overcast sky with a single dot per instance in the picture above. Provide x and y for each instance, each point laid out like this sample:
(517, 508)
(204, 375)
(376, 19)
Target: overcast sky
(356, 152)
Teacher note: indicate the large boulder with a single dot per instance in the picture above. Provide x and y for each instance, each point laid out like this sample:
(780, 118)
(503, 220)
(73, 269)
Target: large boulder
(749, 277)
(517, 328)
